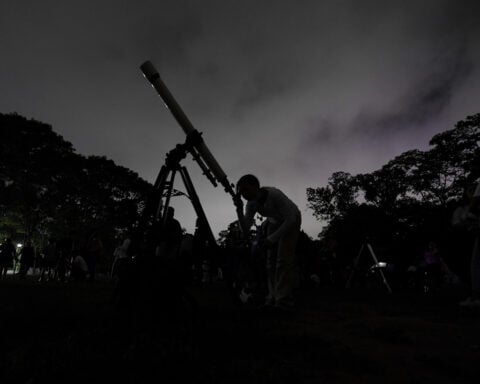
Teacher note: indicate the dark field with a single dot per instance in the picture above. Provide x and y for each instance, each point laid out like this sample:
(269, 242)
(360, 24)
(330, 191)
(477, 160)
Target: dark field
(73, 334)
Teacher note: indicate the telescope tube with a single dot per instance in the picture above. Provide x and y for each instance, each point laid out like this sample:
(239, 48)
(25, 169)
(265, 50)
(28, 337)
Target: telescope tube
(153, 77)
(201, 149)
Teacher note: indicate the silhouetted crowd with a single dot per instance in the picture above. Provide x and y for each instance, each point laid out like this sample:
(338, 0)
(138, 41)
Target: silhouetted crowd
(58, 260)
(244, 263)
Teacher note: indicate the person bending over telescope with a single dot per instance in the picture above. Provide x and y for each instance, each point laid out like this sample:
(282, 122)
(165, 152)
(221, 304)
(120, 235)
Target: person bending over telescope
(284, 221)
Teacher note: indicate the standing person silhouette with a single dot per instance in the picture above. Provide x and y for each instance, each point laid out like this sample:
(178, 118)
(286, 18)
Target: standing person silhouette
(284, 220)
(27, 259)
(170, 237)
(7, 257)
(474, 299)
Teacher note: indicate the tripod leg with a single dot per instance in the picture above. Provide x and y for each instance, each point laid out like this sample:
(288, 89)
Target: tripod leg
(162, 208)
(197, 206)
(374, 257)
(355, 265)
(154, 199)
(161, 178)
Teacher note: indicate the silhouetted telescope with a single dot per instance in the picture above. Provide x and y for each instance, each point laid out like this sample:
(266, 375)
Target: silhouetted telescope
(199, 151)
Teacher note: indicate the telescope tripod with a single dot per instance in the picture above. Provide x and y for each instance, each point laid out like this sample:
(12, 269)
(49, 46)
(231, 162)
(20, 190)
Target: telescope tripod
(164, 187)
(368, 246)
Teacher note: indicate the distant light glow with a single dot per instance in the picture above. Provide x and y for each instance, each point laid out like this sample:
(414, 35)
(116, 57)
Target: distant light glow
(19, 245)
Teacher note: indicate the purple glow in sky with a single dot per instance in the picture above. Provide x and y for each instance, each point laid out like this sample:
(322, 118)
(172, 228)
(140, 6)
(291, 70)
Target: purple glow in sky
(288, 90)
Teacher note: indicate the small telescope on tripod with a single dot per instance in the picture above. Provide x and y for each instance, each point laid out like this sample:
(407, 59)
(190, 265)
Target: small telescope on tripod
(195, 145)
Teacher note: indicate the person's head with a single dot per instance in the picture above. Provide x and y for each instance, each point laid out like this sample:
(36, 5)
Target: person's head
(248, 186)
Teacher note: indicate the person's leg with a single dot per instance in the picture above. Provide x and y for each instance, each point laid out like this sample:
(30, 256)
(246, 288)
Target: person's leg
(287, 271)
(23, 271)
(271, 283)
(475, 270)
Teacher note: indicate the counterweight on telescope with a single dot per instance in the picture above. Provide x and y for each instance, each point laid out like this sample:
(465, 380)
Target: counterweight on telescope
(201, 152)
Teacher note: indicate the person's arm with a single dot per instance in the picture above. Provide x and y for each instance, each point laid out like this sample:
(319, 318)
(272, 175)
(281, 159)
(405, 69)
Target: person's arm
(473, 211)
(475, 203)
(287, 211)
(462, 218)
(250, 211)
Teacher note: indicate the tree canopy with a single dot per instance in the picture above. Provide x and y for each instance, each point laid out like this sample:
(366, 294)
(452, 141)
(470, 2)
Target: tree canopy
(49, 190)
(410, 196)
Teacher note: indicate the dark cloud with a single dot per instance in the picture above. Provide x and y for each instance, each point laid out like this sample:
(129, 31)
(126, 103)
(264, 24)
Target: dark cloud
(169, 37)
(320, 132)
(290, 90)
(210, 71)
(262, 86)
(424, 101)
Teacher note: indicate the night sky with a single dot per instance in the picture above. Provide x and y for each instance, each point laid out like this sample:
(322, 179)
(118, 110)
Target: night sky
(288, 90)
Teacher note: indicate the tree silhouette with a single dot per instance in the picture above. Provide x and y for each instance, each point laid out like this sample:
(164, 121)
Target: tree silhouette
(410, 197)
(46, 189)
(336, 198)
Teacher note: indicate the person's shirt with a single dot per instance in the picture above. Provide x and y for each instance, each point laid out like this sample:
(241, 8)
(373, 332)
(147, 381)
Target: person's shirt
(186, 245)
(475, 204)
(79, 263)
(27, 254)
(172, 234)
(431, 257)
(461, 215)
(475, 199)
(121, 252)
(7, 251)
(4, 252)
(51, 251)
(277, 208)
(477, 190)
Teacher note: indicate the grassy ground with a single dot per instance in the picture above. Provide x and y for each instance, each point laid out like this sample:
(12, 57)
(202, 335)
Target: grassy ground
(71, 333)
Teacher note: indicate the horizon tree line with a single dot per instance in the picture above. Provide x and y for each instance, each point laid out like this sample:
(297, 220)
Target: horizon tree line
(408, 201)
(47, 189)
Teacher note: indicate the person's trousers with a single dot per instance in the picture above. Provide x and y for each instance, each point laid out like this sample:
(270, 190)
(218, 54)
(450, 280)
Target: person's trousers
(475, 268)
(282, 269)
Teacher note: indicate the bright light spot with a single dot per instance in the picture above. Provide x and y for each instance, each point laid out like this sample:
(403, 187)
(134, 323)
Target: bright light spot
(19, 245)
(381, 264)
